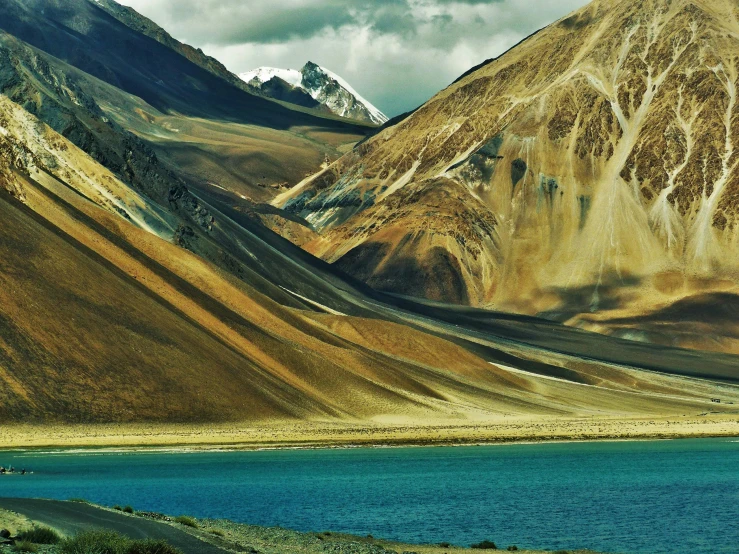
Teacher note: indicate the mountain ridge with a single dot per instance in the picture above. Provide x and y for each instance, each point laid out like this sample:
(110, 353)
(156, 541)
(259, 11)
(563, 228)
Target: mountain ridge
(133, 19)
(141, 279)
(602, 148)
(326, 89)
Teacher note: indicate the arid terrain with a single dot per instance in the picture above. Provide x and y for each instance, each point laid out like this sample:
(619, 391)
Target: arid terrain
(144, 282)
(193, 262)
(588, 175)
(279, 435)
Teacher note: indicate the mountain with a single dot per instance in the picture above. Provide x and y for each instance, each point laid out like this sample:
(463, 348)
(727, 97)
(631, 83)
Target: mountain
(137, 22)
(106, 318)
(103, 321)
(137, 57)
(139, 284)
(590, 175)
(199, 124)
(314, 86)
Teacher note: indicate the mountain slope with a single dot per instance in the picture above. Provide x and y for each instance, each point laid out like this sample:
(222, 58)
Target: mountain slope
(104, 321)
(591, 173)
(158, 153)
(131, 291)
(147, 78)
(324, 87)
(134, 20)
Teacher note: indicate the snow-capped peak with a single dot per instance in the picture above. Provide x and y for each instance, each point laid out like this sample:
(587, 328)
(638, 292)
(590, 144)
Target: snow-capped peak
(324, 86)
(376, 113)
(264, 74)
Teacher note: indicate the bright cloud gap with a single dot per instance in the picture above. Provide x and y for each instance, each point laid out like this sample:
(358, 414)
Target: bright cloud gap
(397, 53)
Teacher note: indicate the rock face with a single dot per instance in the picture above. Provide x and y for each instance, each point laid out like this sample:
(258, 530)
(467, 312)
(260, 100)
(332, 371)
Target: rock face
(65, 101)
(590, 172)
(314, 87)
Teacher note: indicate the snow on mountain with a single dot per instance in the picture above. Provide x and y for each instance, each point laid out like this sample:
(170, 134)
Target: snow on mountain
(376, 114)
(264, 74)
(324, 86)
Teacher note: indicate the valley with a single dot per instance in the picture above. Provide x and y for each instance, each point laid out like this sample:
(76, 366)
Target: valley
(151, 277)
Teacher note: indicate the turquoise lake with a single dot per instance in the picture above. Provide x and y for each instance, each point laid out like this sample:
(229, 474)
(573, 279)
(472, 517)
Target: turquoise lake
(637, 497)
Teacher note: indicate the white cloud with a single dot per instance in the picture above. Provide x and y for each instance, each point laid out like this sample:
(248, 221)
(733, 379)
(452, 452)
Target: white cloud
(397, 53)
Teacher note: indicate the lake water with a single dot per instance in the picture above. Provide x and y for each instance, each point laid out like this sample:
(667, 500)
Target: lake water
(638, 497)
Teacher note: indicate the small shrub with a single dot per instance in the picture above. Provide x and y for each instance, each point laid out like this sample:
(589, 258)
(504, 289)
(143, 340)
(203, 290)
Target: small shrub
(151, 547)
(154, 515)
(128, 510)
(95, 542)
(40, 535)
(445, 545)
(106, 542)
(118, 508)
(25, 546)
(485, 545)
(187, 521)
(217, 533)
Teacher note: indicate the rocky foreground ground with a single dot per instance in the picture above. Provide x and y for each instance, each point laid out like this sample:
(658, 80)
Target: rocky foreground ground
(240, 538)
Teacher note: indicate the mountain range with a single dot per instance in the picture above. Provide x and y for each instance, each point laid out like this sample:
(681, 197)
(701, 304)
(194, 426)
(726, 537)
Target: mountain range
(589, 175)
(149, 273)
(314, 87)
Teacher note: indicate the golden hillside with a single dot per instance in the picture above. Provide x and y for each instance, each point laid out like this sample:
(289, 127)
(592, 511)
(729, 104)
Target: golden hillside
(590, 173)
(104, 320)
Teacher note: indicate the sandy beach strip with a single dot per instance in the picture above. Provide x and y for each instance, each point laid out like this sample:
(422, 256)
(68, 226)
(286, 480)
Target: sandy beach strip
(344, 435)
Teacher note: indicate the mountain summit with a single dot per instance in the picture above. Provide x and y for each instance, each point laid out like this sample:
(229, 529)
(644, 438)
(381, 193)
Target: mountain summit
(590, 173)
(314, 86)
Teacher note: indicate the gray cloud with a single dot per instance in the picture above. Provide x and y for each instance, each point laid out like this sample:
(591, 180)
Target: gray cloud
(276, 27)
(397, 53)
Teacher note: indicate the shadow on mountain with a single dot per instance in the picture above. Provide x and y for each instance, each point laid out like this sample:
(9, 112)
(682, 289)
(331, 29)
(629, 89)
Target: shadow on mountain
(88, 38)
(434, 276)
(603, 296)
(703, 308)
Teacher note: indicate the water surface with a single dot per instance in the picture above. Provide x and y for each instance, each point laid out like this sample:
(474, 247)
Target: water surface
(640, 497)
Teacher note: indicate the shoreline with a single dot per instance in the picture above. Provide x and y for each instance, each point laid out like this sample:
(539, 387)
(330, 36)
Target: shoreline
(231, 536)
(248, 447)
(347, 436)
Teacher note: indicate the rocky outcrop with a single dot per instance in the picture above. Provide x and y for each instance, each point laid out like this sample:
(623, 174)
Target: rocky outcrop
(58, 98)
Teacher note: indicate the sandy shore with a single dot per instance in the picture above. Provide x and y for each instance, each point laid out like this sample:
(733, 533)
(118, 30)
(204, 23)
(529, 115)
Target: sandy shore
(330, 435)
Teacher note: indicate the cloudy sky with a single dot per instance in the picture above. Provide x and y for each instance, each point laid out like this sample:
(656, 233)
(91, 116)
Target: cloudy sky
(396, 53)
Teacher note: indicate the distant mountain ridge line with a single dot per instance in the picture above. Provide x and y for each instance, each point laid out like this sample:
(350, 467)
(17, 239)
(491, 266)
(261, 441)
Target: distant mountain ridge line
(322, 85)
